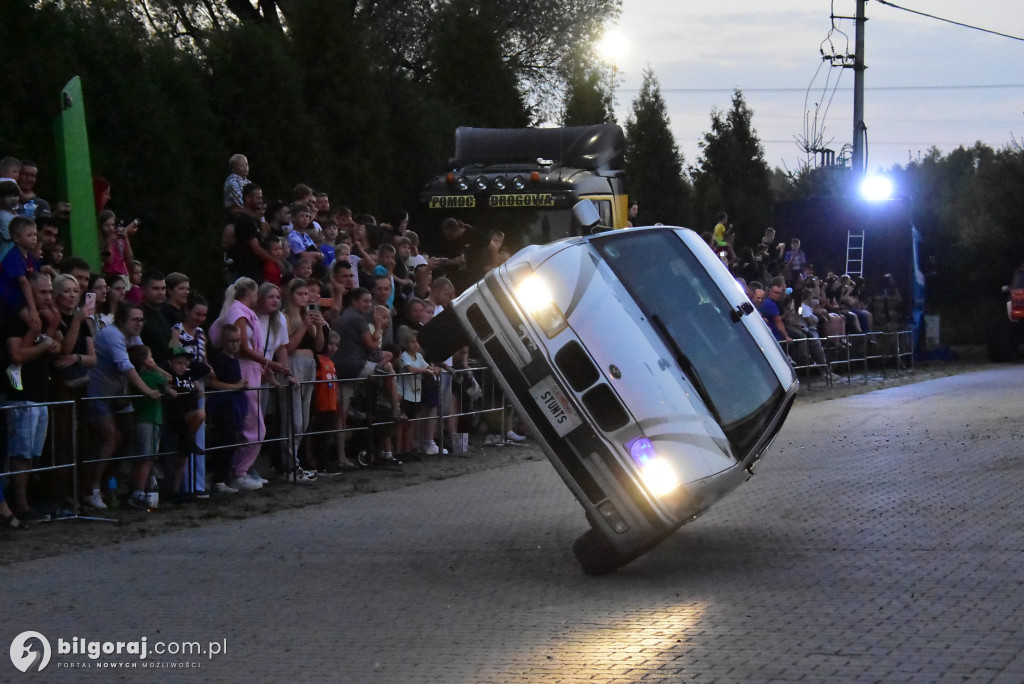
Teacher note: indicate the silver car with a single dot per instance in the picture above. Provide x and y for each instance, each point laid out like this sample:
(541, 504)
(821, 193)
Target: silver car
(640, 366)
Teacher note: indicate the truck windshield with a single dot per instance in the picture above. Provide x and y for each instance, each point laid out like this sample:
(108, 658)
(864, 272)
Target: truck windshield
(522, 226)
(716, 352)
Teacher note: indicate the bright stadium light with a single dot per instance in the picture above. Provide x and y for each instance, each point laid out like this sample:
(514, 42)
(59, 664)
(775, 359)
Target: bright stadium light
(876, 189)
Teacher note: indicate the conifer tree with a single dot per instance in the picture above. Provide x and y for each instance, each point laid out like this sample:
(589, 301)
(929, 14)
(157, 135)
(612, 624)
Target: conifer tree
(732, 175)
(654, 164)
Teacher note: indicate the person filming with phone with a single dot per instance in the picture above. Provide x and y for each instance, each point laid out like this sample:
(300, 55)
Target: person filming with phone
(307, 335)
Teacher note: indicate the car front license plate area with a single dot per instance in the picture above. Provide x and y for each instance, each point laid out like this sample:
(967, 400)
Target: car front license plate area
(554, 404)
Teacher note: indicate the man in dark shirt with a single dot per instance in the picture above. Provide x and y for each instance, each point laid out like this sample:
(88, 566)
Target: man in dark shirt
(249, 253)
(156, 330)
(771, 314)
(467, 252)
(24, 389)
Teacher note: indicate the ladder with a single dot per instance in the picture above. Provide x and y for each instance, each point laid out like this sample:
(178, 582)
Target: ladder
(855, 254)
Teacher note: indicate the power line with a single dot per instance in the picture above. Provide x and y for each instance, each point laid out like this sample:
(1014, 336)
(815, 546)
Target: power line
(1006, 86)
(949, 21)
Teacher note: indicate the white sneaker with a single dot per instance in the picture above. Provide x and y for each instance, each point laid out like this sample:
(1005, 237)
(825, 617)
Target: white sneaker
(94, 500)
(224, 488)
(14, 377)
(515, 437)
(245, 484)
(255, 477)
(430, 448)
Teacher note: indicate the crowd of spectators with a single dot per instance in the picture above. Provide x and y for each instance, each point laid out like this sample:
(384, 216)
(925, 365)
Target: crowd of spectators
(318, 328)
(804, 311)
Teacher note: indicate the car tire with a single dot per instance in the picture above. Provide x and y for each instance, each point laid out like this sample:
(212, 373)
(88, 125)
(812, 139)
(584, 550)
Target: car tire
(596, 555)
(442, 336)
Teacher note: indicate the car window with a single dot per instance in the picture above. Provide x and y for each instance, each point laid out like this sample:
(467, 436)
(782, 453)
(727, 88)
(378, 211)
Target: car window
(675, 293)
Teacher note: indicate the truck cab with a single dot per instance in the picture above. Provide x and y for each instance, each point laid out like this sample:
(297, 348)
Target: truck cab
(525, 182)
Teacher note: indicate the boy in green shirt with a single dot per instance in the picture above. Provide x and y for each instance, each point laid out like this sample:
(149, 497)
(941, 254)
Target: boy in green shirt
(149, 416)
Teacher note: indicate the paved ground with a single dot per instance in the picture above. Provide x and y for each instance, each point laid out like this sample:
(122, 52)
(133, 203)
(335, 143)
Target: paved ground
(881, 541)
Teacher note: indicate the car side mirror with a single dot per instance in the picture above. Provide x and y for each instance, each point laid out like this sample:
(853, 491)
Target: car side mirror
(586, 213)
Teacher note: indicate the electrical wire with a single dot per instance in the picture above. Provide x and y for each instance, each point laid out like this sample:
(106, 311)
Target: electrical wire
(948, 21)
(991, 86)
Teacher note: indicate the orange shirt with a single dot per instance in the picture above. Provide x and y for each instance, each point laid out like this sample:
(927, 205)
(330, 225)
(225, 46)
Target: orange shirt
(325, 394)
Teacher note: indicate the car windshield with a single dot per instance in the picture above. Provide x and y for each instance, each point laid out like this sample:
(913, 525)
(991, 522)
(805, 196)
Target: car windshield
(690, 313)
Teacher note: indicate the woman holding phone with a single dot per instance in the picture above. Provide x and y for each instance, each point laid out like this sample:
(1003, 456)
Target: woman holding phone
(307, 334)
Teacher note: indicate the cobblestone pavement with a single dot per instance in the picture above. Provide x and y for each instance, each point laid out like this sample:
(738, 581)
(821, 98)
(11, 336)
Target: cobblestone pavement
(881, 540)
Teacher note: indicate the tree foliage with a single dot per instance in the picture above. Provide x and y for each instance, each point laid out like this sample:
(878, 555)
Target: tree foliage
(589, 90)
(356, 97)
(732, 175)
(654, 165)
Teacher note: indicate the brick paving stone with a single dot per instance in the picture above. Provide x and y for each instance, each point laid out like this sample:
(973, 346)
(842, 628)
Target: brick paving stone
(878, 542)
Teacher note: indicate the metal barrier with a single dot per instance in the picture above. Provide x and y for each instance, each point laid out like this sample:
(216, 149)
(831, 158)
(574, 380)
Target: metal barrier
(489, 399)
(851, 355)
(12, 416)
(844, 357)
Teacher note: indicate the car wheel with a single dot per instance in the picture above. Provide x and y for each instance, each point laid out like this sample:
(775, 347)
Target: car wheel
(596, 555)
(442, 336)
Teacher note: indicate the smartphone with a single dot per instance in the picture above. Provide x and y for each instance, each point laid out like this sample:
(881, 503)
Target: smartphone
(90, 299)
(313, 308)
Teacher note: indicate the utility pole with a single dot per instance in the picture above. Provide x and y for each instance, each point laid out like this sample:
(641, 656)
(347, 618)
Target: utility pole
(859, 161)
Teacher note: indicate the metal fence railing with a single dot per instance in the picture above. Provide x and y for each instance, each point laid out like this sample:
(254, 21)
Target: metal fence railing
(72, 460)
(844, 358)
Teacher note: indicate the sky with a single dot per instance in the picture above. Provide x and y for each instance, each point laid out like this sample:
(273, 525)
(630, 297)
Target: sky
(928, 83)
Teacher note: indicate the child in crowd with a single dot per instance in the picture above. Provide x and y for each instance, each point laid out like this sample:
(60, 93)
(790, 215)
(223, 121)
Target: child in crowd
(387, 259)
(10, 196)
(227, 408)
(414, 258)
(272, 269)
(343, 251)
(303, 267)
(325, 407)
(134, 294)
(15, 267)
(16, 297)
(184, 417)
(416, 371)
(115, 240)
(328, 236)
(54, 254)
(148, 419)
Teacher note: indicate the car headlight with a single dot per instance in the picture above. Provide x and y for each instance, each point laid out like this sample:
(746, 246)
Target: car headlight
(657, 473)
(535, 297)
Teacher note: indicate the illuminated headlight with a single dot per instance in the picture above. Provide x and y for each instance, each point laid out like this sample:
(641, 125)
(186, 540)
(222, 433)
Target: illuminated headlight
(534, 295)
(462, 184)
(657, 473)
